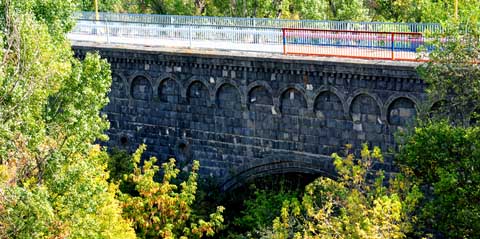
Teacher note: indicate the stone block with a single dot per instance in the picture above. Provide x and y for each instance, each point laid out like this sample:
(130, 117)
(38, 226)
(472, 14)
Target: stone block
(358, 127)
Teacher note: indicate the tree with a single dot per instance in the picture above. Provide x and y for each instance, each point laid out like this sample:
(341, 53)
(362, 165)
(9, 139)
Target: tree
(442, 151)
(53, 179)
(452, 75)
(351, 206)
(162, 211)
(103, 5)
(445, 160)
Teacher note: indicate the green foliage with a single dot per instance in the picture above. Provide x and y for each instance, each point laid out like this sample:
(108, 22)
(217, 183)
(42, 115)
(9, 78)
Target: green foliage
(262, 209)
(446, 159)
(287, 9)
(85, 202)
(351, 207)
(53, 179)
(439, 11)
(103, 5)
(259, 212)
(452, 76)
(442, 11)
(161, 209)
(53, 14)
(119, 164)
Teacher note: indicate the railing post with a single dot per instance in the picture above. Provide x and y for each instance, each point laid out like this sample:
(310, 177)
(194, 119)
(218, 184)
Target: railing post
(393, 46)
(107, 30)
(190, 35)
(284, 41)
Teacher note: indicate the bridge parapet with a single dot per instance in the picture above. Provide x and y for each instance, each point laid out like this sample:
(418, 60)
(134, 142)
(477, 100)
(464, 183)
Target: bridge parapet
(367, 40)
(249, 115)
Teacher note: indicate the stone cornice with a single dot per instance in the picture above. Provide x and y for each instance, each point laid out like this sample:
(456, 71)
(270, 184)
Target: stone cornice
(266, 63)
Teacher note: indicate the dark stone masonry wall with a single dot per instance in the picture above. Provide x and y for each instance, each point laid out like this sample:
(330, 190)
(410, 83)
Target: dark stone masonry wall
(244, 117)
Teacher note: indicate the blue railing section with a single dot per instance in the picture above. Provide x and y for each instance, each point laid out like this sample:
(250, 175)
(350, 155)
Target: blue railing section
(369, 40)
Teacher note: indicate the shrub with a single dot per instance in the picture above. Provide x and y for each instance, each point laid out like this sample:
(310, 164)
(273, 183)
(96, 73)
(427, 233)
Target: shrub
(351, 206)
(161, 209)
(446, 160)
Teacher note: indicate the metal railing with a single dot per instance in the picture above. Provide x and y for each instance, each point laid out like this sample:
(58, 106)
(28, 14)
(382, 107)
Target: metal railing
(400, 46)
(258, 39)
(261, 22)
(322, 38)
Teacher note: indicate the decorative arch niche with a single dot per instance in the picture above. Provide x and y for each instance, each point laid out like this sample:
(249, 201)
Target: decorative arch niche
(292, 102)
(141, 89)
(169, 91)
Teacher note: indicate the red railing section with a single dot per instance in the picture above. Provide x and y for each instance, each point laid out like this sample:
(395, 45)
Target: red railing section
(400, 46)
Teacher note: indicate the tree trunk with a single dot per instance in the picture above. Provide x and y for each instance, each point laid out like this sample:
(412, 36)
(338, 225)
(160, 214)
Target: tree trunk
(200, 7)
(333, 8)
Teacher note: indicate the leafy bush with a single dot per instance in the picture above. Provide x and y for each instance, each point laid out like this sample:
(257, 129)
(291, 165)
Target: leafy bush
(446, 161)
(351, 206)
(452, 78)
(260, 210)
(160, 209)
(53, 181)
(120, 163)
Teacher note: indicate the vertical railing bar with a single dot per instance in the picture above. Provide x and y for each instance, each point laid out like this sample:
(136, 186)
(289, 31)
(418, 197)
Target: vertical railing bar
(107, 30)
(393, 46)
(189, 35)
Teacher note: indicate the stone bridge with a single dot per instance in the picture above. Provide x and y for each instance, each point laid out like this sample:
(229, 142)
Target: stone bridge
(245, 115)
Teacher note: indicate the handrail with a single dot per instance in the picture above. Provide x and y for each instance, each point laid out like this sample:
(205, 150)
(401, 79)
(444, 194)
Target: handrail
(400, 46)
(262, 22)
(352, 43)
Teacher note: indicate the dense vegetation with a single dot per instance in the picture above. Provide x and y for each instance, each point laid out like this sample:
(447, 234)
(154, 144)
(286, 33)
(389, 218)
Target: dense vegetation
(55, 182)
(355, 205)
(357, 10)
(53, 179)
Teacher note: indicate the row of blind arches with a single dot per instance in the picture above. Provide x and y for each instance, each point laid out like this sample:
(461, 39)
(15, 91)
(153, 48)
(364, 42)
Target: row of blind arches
(292, 101)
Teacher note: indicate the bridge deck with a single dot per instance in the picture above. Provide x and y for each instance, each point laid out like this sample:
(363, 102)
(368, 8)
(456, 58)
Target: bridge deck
(337, 40)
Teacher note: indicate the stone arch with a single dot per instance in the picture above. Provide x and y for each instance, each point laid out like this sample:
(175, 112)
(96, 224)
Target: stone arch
(401, 111)
(198, 113)
(228, 111)
(280, 163)
(444, 110)
(163, 77)
(198, 93)
(368, 127)
(329, 105)
(474, 117)
(260, 83)
(141, 88)
(262, 109)
(364, 108)
(364, 92)
(293, 101)
(228, 96)
(169, 91)
(260, 96)
(437, 109)
(119, 87)
(137, 74)
(186, 85)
